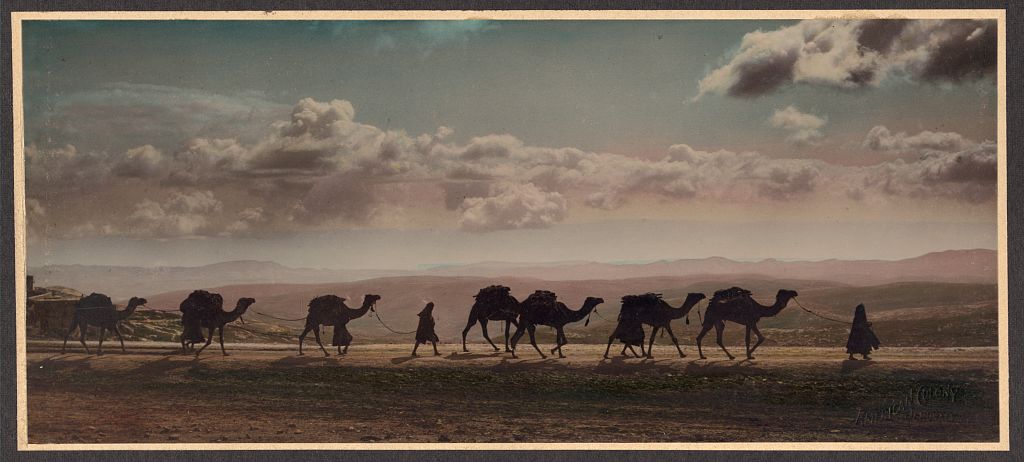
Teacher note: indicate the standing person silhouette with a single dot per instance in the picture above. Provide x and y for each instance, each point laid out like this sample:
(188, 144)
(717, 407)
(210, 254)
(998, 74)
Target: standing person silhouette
(862, 339)
(425, 330)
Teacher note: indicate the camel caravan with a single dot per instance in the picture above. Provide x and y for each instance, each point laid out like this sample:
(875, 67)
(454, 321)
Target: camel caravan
(203, 311)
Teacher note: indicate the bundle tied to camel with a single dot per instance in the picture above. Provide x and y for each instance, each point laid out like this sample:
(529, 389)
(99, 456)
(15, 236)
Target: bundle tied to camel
(540, 301)
(630, 328)
(331, 307)
(93, 301)
(199, 305)
(495, 295)
(730, 294)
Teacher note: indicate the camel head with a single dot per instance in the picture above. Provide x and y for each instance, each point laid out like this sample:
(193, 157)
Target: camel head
(785, 294)
(590, 306)
(369, 300)
(133, 303)
(242, 305)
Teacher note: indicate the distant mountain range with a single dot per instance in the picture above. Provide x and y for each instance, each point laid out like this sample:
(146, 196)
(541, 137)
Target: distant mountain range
(965, 266)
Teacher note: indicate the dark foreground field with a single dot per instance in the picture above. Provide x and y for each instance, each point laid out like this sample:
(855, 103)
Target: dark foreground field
(378, 394)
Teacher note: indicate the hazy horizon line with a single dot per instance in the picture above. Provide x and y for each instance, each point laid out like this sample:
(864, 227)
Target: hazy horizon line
(525, 263)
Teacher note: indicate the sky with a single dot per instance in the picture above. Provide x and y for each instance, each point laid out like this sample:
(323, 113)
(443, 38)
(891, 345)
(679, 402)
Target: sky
(397, 144)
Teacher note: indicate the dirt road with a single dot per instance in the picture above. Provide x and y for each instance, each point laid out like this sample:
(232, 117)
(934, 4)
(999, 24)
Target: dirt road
(378, 393)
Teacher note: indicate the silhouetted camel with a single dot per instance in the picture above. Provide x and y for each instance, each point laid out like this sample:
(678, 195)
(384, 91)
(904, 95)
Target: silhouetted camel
(98, 310)
(542, 308)
(218, 319)
(493, 303)
(330, 310)
(425, 329)
(198, 304)
(650, 309)
(736, 305)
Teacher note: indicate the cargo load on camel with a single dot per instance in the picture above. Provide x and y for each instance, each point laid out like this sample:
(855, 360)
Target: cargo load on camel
(730, 294)
(200, 304)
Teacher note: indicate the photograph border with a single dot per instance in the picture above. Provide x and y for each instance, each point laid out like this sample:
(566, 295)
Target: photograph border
(14, 219)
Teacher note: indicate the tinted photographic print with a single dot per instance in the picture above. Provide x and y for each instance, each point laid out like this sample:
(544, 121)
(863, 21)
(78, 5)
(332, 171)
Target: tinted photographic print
(491, 230)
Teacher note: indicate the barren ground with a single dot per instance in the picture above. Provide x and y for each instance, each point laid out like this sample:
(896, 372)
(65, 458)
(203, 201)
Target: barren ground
(378, 393)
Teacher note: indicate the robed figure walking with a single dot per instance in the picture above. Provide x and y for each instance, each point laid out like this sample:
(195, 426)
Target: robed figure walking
(862, 339)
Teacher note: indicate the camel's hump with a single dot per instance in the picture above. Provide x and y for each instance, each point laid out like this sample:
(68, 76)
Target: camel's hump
(493, 291)
(331, 301)
(201, 300)
(541, 297)
(95, 300)
(643, 299)
(730, 293)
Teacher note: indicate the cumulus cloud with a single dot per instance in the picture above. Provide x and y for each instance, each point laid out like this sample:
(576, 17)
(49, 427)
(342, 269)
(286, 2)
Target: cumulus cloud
(248, 222)
(512, 206)
(855, 54)
(320, 168)
(182, 214)
(803, 128)
(879, 138)
(141, 162)
(946, 164)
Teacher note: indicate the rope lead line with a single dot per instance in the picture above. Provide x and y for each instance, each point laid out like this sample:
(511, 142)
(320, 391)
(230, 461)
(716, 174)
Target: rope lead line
(381, 321)
(818, 315)
(279, 319)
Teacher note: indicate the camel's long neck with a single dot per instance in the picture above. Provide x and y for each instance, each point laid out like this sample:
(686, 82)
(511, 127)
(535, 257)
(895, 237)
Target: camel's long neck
(683, 309)
(359, 312)
(581, 313)
(780, 303)
(235, 313)
(123, 314)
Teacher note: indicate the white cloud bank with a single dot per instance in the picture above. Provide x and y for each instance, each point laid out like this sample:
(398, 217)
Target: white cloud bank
(322, 169)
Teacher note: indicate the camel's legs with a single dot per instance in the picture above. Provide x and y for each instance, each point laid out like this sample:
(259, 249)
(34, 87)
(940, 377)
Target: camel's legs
(436, 353)
(747, 339)
(117, 332)
(760, 339)
(82, 327)
(606, 350)
(302, 337)
(634, 351)
(103, 333)
(220, 336)
(209, 340)
(483, 327)
(650, 348)
(520, 330)
(675, 341)
(469, 325)
(533, 340)
(316, 335)
(559, 342)
(74, 324)
(719, 328)
(624, 348)
(703, 331)
(508, 326)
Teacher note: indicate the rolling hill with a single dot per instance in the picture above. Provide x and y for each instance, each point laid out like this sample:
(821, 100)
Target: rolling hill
(965, 266)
